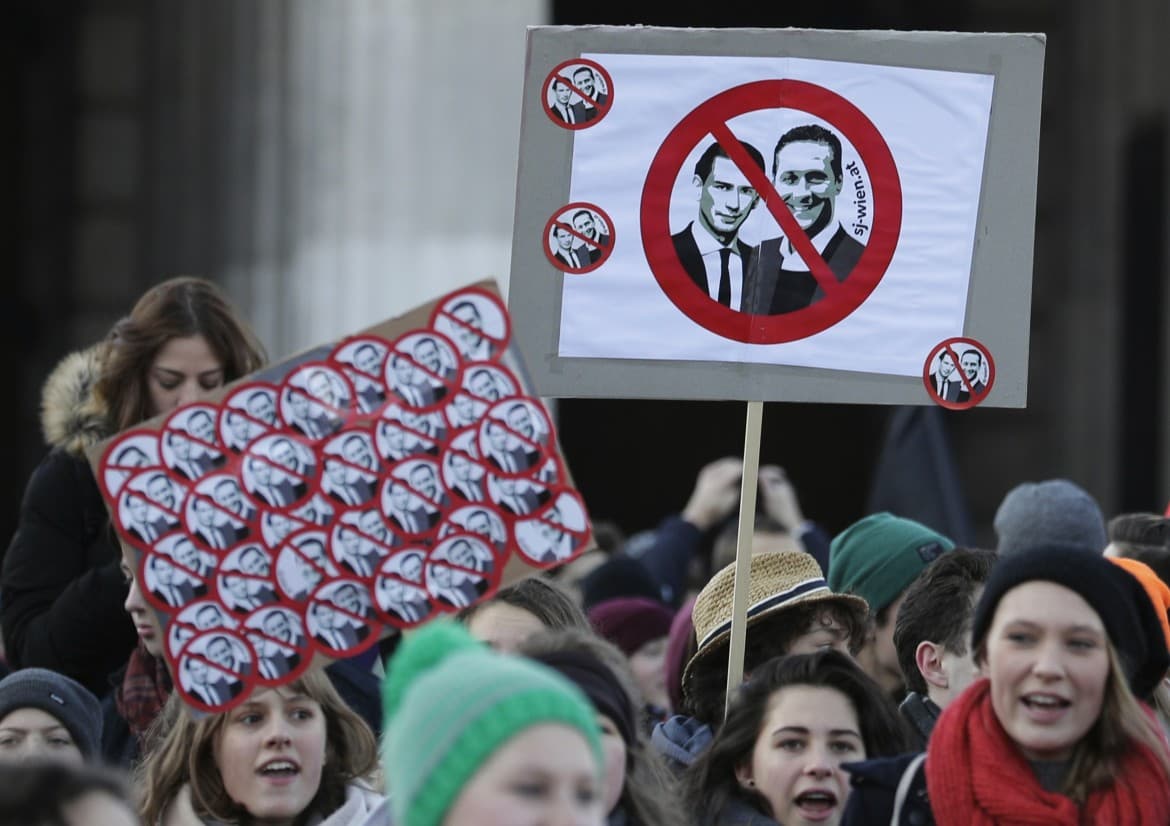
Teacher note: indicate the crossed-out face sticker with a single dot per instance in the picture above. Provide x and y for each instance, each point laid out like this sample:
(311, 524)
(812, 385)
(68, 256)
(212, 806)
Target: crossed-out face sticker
(363, 358)
(463, 475)
(278, 637)
(959, 373)
(133, 451)
(515, 437)
(350, 468)
(340, 618)
(175, 573)
(149, 507)
(202, 615)
(489, 382)
(190, 447)
(216, 514)
(482, 520)
(302, 564)
(554, 533)
(413, 498)
(423, 369)
(401, 433)
(577, 93)
(275, 526)
(279, 472)
(461, 570)
(517, 496)
(476, 322)
(244, 582)
(215, 668)
(316, 400)
(352, 549)
(246, 414)
(400, 599)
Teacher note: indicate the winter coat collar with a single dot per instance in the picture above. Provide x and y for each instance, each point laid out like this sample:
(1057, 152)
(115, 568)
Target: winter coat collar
(72, 417)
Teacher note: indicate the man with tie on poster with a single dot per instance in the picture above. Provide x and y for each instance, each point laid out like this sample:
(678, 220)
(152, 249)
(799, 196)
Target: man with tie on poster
(564, 107)
(709, 248)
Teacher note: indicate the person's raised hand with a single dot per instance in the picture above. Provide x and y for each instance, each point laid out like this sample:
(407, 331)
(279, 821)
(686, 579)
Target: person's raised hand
(778, 498)
(716, 492)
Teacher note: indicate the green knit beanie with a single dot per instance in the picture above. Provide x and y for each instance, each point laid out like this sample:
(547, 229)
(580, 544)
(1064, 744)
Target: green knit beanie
(879, 556)
(450, 702)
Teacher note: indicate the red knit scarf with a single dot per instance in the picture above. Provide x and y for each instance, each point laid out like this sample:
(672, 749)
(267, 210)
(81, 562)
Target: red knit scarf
(976, 776)
(143, 691)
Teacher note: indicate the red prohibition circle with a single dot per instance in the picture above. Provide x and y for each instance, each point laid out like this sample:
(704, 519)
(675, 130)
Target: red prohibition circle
(563, 218)
(238, 689)
(710, 118)
(442, 311)
(973, 398)
(576, 63)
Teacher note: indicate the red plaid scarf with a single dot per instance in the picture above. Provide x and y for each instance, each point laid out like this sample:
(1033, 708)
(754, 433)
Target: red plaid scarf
(143, 691)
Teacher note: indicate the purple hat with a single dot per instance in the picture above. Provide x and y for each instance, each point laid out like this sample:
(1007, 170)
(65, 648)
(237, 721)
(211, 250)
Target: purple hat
(631, 622)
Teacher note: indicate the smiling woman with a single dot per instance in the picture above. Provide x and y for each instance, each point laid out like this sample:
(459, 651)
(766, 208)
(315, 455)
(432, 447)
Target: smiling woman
(61, 577)
(286, 755)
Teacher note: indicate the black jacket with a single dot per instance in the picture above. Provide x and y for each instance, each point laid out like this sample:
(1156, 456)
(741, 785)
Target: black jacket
(61, 590)
(875, 787)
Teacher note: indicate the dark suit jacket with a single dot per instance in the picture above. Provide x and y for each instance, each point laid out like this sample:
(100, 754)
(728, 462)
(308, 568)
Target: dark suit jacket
(785, 291)
(412, 610)
(225, 533)
(362, 488)
(580, 114)
(290, 491)
(582, 256)
(523, 458)
(281, 662)
(351, 635)
(162, 526)
(954, 386)
(530, 498)
(977, 388)
(692, 261)
(464, 490)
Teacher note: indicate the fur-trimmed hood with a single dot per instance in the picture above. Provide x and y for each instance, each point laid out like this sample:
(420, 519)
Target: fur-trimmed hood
(72, 417)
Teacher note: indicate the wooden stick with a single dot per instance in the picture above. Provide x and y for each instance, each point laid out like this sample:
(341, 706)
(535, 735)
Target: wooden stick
(743, 545)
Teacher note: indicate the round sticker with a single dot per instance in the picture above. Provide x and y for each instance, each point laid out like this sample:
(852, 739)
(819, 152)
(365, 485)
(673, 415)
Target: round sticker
(202, 615)
(277, 635)
(175, 573)
(190, 442)
(578, 238)
(279, 471)
(247, 413)
(424, 368)
(302, 564)
(149, 507)
(350, 468)
(476, 322)
(554, 534)
(215, 669)
(216, 514)
(577, 94)
(316, 400)
(400, 600)
(364, 360)
(244, 580)
(461, 570)
(958, 373)
(515, 437)
(340, 618)
(127, 454)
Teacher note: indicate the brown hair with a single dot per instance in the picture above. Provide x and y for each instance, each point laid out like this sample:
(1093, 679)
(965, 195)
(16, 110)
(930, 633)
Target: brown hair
(177, 308)
(185, 753)
(539, 596)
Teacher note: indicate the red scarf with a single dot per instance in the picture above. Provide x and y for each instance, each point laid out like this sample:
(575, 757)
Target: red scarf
(143, 691)
(976, 776)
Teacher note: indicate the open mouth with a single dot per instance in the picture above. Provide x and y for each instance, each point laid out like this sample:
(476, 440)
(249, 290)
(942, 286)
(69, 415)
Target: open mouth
(816, 804)
(1044, 707)
(280, 769)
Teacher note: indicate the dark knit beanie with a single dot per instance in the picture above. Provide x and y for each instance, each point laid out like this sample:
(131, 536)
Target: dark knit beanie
(59, 697)
(631, 622)
(877, 557)
(600, 685)
(618, 576)
(1117, 597)
(1048, 513)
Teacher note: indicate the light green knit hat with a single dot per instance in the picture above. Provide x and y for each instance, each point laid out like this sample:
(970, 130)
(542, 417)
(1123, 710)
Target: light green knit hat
(449, 702)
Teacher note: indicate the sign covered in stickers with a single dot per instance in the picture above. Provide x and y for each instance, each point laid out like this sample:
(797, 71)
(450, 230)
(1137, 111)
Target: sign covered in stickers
(372, 484)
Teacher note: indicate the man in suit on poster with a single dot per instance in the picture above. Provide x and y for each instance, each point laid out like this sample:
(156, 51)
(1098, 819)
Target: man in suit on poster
(709, 248)
(807, 173)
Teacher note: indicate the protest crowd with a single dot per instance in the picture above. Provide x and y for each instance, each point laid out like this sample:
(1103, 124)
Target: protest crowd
(890, 676)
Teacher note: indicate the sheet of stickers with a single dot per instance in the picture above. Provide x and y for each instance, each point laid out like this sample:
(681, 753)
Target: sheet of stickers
(364, 486)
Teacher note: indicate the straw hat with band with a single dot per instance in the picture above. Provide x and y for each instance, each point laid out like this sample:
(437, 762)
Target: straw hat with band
(779, 581)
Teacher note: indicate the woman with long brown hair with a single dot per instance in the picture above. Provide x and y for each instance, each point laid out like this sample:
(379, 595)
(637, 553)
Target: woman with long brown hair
(61, 589)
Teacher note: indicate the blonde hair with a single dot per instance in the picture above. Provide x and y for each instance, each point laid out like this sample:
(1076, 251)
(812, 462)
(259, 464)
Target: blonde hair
(181, 750)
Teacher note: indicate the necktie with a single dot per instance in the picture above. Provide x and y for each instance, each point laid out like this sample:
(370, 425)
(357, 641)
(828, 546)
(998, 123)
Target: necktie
(569, 115)
(724, 277)
(946, 388)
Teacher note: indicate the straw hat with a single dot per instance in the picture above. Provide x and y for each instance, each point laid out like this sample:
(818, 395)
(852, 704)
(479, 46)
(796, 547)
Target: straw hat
(779, 581)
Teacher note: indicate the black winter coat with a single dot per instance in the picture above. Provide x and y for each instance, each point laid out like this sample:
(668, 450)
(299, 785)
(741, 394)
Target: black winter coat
(61, 590)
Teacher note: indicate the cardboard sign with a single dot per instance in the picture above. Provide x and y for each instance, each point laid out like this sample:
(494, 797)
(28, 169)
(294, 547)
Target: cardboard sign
(364, 486)
(818, 209)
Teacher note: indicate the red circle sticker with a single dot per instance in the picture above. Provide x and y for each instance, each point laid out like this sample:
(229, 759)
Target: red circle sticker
(476, 322)
(578, 238)
(842, 295)
(215, 670)
(577, 94)
(958, 373)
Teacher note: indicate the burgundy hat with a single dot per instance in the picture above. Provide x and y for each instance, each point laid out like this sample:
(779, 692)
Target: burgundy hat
(630, 622)
(680, 647)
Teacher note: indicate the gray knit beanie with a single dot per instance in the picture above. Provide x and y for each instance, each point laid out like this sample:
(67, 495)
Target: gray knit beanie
(59, 697)
(1052, 512)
